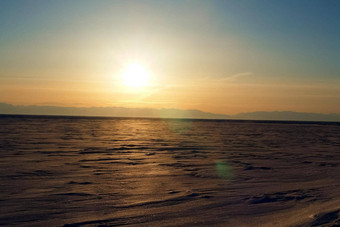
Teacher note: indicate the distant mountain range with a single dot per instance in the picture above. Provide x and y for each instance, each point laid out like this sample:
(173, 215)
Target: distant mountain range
(162, 113)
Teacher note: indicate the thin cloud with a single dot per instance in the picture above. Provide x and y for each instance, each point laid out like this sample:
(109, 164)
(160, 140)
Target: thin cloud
(238, 75)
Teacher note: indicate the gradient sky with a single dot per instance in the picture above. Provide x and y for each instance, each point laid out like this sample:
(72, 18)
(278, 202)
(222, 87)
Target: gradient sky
(217, 56)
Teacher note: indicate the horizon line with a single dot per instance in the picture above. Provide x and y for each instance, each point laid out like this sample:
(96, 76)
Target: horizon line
(169, 118)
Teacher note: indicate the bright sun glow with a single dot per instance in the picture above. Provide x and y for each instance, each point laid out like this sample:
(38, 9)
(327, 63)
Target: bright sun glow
(136, 75)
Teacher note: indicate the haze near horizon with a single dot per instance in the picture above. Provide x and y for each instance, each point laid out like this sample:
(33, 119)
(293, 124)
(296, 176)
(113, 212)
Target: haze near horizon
(223, 57)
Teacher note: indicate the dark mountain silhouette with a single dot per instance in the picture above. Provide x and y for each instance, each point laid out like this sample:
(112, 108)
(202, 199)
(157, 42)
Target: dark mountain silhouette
(287, 115)
(107, 111)
(161, 113)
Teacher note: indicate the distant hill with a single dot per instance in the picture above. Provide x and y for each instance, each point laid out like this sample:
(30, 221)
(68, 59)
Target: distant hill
(108, 112)
(162, 113)
(287, 115)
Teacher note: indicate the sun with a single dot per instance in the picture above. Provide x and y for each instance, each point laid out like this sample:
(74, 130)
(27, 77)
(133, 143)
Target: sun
(135, 75)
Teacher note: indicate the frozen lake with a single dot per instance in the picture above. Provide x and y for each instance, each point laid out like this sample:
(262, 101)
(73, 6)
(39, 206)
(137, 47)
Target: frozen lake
(78, 171)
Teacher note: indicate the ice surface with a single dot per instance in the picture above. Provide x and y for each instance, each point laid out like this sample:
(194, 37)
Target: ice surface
(71, 171)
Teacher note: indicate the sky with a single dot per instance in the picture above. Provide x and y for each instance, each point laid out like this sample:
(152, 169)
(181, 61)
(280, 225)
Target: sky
(223, 57)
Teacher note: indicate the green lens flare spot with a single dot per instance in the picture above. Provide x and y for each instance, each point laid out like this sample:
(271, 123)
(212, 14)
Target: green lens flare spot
(224, 170)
